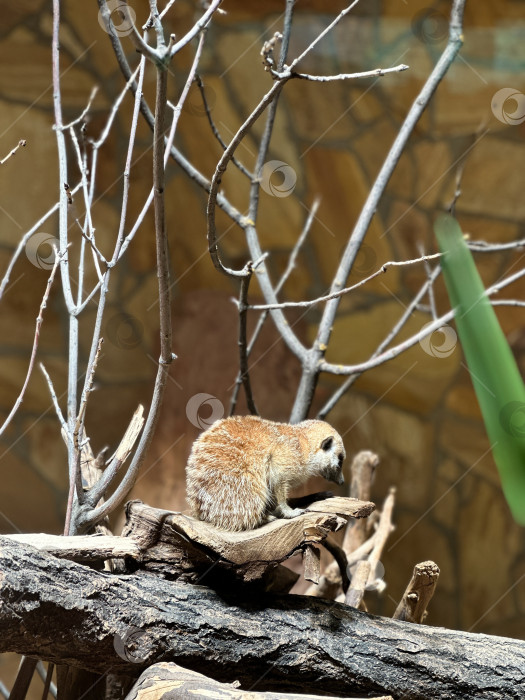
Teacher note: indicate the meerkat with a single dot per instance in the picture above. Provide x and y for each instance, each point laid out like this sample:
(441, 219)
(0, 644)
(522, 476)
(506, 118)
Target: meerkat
(241, 469)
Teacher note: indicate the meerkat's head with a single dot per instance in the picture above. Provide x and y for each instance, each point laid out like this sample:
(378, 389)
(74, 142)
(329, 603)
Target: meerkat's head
(327, 451)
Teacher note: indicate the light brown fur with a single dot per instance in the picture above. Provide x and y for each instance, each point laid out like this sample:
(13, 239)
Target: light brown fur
(241, 469)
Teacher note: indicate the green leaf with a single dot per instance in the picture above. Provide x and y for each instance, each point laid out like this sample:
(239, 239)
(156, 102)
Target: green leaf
(495, 375)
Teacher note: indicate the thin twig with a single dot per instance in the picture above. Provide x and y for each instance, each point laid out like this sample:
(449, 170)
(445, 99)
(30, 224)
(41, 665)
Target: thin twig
(84, 113)
(431, 295)
(414, 339)
(336, 295)
(36, 338)
(342, 76)
(88, 388)
(21, 144)
(197, 27)
(25, 238)
(407, 314)
(214, 129)
(243, 355)
(284, 278)
(53, 396)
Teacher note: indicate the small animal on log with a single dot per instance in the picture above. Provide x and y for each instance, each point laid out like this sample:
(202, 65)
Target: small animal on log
(242, 468)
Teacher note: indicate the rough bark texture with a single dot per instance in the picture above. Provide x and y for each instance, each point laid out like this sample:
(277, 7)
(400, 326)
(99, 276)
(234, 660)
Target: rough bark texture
(67, 613)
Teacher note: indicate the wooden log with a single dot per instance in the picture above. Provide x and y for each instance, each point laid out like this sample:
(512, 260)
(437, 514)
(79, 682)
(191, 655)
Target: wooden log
(61, 611)
(171, 680)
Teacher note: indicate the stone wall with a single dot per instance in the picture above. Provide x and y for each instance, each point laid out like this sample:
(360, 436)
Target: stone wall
(418, 411)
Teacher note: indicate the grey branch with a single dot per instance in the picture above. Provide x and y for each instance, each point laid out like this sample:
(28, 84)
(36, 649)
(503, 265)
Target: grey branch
(133, 621)
(316, 354)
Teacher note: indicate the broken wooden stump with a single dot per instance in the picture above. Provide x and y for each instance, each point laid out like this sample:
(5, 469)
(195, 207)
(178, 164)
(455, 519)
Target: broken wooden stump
(178, 546)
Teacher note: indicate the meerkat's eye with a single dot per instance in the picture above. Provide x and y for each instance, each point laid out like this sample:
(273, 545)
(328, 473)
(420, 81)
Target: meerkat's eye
(340, 459)
(327, 444)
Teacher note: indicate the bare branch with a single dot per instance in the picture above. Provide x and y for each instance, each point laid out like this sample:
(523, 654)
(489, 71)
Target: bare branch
(342, 76)
(325, 410)
(53, 396)
(214, 129)
(21, 144)
(316, 354)
(336, 295)
(286, 274)
(25, 238)
(243, 361)
(39, 320)
(197, 27)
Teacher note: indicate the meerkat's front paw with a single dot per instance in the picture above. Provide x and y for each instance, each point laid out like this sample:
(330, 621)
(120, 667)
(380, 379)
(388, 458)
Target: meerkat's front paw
(286, 512)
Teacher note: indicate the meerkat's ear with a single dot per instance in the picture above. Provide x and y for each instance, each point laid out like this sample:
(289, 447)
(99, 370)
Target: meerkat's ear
(327, 443)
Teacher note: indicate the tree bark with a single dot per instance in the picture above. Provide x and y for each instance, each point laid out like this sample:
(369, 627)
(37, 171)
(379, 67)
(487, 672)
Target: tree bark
(64, 612)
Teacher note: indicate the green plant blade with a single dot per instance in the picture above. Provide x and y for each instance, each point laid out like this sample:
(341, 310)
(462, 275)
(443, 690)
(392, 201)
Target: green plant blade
(498, 384)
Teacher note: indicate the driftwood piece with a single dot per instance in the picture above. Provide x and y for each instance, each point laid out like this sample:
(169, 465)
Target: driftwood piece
(413, 604)
(179, 546)
(355, 593)
(362, 472)
(95, 620)
(81, 548)
(166, 680)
